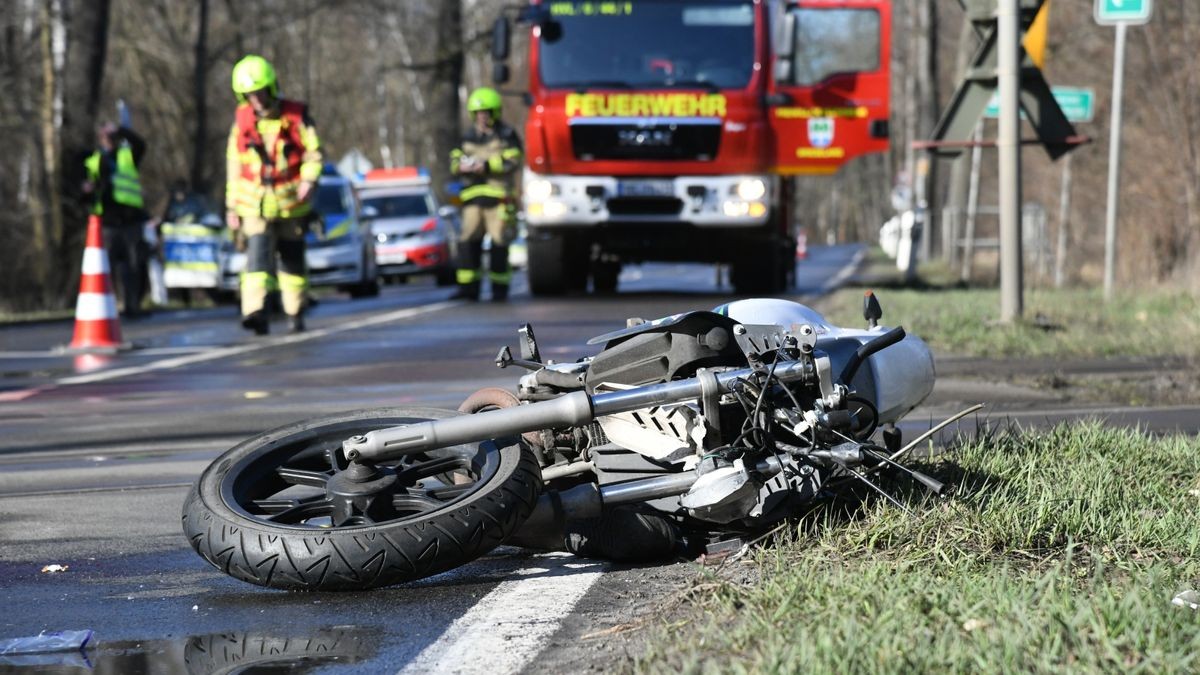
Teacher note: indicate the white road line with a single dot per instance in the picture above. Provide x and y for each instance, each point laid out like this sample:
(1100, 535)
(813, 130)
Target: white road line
(168, 364)
(103, 452)
(59, 352)
(844, 273)
(508, 627)
(81, 491)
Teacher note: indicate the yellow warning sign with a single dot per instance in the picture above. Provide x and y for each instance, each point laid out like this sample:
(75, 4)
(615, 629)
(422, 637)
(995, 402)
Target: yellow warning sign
(646, 105)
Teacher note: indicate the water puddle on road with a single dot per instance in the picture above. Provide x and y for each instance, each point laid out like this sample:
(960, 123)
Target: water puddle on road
(291, 651)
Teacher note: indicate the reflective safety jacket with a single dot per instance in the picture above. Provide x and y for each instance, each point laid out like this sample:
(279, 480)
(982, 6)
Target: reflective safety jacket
(124, 181)
(267, 159)
(499, 150)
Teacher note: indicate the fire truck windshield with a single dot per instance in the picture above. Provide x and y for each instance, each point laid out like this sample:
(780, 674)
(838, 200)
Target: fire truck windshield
(706, 44)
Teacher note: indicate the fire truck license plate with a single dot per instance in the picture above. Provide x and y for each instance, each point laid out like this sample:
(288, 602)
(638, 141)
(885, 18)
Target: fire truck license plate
(646, 188)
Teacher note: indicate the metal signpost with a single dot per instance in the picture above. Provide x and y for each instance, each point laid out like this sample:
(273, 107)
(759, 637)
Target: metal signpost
(1008, 141)
(1119, 13)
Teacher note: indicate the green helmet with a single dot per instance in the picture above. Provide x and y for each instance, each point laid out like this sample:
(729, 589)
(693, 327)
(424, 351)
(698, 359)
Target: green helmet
(484, 98)
(253, 73)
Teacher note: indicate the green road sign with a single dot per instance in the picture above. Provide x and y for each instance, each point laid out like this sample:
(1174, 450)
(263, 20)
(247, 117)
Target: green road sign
(1077, 103)
(1111, 12)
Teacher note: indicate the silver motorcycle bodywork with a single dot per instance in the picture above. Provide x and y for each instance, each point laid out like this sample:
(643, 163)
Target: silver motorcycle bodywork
(899, 377)
(673, 425)
(679, 436)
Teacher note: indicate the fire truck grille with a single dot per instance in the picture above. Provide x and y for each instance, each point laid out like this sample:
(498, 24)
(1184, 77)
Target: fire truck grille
(680, 141)
(644, 206)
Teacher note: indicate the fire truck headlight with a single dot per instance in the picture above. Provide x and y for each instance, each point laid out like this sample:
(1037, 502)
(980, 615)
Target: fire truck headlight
(550, 210)
(751, 189)
(554, 209)
(539, 190)
(736, 209)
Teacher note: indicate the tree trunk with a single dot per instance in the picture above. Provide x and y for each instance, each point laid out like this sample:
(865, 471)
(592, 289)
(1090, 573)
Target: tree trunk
(446, 82)
(927, 86)
(53, 51)
(416, 96)
(956, 198)
(85, 47)
(200, 103)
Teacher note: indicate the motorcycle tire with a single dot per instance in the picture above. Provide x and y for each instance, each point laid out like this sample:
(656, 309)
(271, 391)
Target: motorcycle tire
(247, 517)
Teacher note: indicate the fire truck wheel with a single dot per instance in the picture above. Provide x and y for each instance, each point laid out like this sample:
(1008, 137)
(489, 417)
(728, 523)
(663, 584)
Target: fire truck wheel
(761, 273)
(605, 276)
(558, 264)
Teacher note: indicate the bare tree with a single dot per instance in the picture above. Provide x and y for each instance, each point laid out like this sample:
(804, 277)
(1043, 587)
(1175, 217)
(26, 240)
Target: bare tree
(200, 104)
(444, 94)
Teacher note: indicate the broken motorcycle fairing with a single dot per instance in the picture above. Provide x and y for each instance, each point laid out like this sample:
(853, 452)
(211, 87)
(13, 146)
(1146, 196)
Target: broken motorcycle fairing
(697, 427)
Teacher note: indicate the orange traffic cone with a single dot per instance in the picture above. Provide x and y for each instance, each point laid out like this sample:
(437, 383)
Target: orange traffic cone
(801, 246)
(96, 325)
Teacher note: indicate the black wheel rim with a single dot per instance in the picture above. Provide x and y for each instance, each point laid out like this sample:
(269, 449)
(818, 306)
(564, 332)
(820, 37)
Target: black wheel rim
(285, 485)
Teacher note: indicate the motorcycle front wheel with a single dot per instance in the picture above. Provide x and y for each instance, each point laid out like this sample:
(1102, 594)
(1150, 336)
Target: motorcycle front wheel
(286, 510)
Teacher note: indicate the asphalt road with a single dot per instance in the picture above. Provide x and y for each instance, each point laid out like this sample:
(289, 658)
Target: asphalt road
(96, 457)
(95, 460)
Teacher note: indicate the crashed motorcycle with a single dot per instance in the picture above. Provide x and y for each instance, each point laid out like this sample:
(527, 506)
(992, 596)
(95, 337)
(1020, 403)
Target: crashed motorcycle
(679, 436)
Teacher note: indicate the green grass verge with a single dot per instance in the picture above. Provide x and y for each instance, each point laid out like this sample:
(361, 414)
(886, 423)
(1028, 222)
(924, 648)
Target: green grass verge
(1069, 323)
(1059, 552)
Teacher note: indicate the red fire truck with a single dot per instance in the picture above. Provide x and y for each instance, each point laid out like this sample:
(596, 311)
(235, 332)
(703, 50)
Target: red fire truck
(671, 130)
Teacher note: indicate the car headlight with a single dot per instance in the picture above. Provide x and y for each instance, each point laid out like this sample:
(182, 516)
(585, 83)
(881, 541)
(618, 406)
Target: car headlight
(539, 189)
(751, 189)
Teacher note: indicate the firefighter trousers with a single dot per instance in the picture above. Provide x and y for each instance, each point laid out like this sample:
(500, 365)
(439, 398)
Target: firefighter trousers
(478, 220)
(265, 239)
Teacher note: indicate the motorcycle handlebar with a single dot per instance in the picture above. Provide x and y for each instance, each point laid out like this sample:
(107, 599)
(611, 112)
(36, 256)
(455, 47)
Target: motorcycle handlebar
(574, 409)
(864, 352)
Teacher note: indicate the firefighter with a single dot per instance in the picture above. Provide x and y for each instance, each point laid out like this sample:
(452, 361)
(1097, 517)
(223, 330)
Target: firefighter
(116, 192)
(273, 162)
(486, 162)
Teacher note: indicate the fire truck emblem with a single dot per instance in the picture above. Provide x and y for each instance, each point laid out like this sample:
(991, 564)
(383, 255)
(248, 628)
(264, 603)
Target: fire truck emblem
(820, 131)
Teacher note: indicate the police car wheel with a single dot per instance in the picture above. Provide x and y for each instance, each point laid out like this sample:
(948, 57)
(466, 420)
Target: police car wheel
(271, 510)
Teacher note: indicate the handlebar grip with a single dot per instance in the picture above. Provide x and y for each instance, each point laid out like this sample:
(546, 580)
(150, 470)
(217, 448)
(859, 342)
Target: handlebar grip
(860, 355)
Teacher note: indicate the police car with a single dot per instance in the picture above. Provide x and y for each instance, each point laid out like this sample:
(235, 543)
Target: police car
(341, 252)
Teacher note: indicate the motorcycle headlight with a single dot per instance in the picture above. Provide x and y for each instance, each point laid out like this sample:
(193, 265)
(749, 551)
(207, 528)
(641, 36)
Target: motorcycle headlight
(539, 189)
(751, 189)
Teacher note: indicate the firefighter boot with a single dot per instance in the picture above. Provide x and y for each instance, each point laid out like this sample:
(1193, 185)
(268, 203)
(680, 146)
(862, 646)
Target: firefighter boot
(296, 323)
(499, 292)
(467, 291)
(257, 322)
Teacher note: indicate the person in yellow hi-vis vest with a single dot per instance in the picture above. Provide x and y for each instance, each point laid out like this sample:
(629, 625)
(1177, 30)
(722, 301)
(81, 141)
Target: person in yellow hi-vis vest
(486, 162)
(115, 188)
(273, 162)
